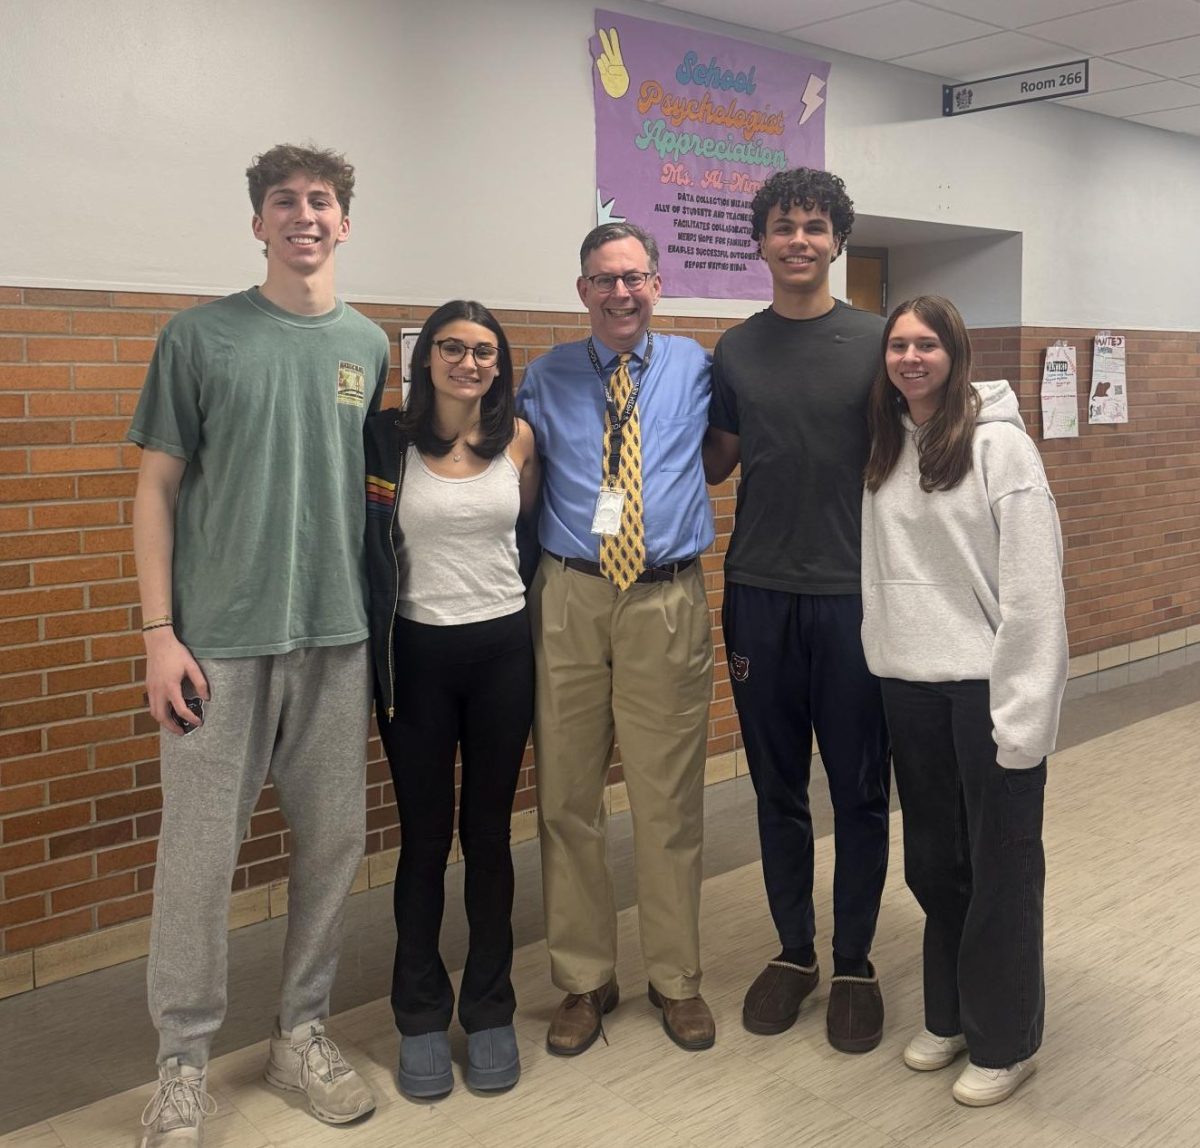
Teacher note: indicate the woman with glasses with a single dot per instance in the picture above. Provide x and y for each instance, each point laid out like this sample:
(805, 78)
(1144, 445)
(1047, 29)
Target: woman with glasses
(963, 623)
(447, 478)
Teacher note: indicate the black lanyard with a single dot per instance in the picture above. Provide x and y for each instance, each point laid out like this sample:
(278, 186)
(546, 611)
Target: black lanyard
(618, 419)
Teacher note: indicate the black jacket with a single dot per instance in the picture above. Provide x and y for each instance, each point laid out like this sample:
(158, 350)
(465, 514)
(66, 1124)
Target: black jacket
(385, 458)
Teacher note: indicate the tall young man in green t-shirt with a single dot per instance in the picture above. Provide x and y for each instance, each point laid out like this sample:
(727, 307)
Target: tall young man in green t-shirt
(248, 528)
(789, 402)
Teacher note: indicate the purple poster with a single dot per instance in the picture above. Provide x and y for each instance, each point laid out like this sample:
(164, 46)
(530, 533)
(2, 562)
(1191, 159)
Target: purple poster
(688, 126)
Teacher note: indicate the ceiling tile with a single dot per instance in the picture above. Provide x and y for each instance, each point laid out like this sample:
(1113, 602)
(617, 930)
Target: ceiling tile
(1179, 58)
(994, 55)
(1136, 101)
(771, 15)
(1016, 13)
(1131, 24)
(1105, 76)
(896, 29)
(1180, 120)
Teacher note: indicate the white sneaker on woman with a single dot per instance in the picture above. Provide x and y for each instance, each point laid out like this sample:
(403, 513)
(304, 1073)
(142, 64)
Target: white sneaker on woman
(978, 1087)
(927, 1052)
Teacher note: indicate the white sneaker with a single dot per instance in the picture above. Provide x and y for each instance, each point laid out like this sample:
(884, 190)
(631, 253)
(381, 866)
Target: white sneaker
(174, 1116)
(927, 1052)
(978, 1087)
(306, 1060)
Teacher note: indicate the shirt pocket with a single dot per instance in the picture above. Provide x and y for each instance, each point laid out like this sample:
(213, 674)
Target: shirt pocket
(678, 441)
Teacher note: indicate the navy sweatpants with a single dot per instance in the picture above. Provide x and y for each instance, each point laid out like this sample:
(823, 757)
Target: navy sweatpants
(797, 665)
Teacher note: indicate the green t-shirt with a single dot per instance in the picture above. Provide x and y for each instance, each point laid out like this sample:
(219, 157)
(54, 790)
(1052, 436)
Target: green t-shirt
(267, 408)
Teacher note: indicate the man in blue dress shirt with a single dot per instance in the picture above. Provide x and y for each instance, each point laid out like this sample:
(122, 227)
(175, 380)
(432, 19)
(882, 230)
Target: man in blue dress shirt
(619, 419)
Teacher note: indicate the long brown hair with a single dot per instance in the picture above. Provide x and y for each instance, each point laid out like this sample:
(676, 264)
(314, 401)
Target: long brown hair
(944, 441)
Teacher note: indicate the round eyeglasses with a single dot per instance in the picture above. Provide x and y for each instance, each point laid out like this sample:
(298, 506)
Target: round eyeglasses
(634, 281)
(455, 350)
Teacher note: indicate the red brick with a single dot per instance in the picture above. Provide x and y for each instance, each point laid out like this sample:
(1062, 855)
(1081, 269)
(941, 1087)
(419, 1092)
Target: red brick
(18, 688)
(41, 545)
(88, 622)
(23, 911)
(14, 519)
(112, 323)
(59, 516)
(126, 857)
(36, 489)
(23, 854)
(30, 431)
(66, 297)
(118, 540)
(52, 876)
(25, 320)
(75, 570)
(72, 404)
(89, 677)
(38, 713)
(89, 893)
(107, 485)
(100, 430)
(10, 294)
(110, 378)
(19, 632)
(90, 784)
(126, 909)
(44, 822)
(55, 460)
(83, 732)
(43, 766)
(89, 840)
(118, 701)
(127, 804)
(113, 594)
(127, 751)
(155, 301)
(38, 657)
(14, 577)
(46, 932)
(14, 461)
(21, 377)
(19, 798)
(12, 406)
(135, 350)
(125, 646)
(40, 349)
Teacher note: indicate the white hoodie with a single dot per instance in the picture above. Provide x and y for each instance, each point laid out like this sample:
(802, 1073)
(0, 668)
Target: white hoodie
(967, 583)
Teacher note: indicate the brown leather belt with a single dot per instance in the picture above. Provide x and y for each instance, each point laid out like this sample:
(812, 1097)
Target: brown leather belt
(651, 574)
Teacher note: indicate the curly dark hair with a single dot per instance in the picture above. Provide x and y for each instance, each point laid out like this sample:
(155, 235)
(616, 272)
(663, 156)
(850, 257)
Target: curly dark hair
(810, 189)
(284, 160)
(498, 409)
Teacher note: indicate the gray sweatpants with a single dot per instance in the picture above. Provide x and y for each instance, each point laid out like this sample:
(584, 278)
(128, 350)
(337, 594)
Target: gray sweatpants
(303, 716)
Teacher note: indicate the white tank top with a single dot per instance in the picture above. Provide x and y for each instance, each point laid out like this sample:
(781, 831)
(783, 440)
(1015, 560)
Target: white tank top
(458, 562)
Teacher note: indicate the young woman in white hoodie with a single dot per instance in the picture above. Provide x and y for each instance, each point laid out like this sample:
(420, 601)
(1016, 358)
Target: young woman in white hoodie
(963, 623)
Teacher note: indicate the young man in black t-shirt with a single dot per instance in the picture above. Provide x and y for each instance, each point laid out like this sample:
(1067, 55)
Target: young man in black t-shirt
(789, 402)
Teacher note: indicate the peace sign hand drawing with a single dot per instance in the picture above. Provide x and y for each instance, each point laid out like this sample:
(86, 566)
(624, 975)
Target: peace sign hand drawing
(610, 66)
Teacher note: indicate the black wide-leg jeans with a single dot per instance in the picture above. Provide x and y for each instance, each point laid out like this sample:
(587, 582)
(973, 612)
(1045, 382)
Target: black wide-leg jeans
(973, 858)
(471, 686)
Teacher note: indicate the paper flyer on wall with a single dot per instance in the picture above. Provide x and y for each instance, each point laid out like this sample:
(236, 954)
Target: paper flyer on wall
(1109, 400)
(1060, 405)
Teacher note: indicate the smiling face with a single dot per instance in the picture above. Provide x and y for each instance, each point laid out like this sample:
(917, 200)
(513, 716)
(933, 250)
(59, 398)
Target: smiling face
(918, 365)
(465, 381)
(798, 246)
(621, 317)
(301, 224)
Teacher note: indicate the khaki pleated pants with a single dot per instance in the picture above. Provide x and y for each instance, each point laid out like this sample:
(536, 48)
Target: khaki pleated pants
(634, 666)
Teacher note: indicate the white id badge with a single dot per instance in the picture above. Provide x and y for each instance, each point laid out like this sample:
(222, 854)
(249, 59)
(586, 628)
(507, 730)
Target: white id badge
(607, 519)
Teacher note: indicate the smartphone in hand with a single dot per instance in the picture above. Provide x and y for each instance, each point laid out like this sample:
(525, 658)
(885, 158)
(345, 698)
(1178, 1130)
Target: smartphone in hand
(196, 705)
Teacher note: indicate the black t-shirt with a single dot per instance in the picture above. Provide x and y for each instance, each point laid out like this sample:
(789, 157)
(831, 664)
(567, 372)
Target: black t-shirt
(795, 392)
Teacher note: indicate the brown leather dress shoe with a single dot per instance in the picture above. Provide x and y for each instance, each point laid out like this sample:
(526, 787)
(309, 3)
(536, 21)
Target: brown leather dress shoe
(579, 1020)
(688, 1022)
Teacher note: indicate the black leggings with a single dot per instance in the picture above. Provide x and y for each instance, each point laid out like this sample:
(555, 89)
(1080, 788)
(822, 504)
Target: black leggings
(468, 686)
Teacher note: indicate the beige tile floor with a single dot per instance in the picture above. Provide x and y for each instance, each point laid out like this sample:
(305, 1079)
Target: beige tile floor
(1120, 1066)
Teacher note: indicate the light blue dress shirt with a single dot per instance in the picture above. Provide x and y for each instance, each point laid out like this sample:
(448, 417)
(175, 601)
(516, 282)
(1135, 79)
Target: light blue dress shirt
(562, 399)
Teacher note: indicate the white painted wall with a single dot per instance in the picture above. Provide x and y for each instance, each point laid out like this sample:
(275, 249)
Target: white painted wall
(128, 124)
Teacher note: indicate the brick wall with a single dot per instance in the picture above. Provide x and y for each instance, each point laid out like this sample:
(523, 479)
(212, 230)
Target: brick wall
(79, 797)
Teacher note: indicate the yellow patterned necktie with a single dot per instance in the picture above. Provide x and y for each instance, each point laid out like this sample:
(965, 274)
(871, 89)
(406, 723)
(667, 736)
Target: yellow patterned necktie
(623, 555)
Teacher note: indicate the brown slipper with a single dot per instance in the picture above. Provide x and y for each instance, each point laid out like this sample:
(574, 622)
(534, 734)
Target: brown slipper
(773, 1000)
